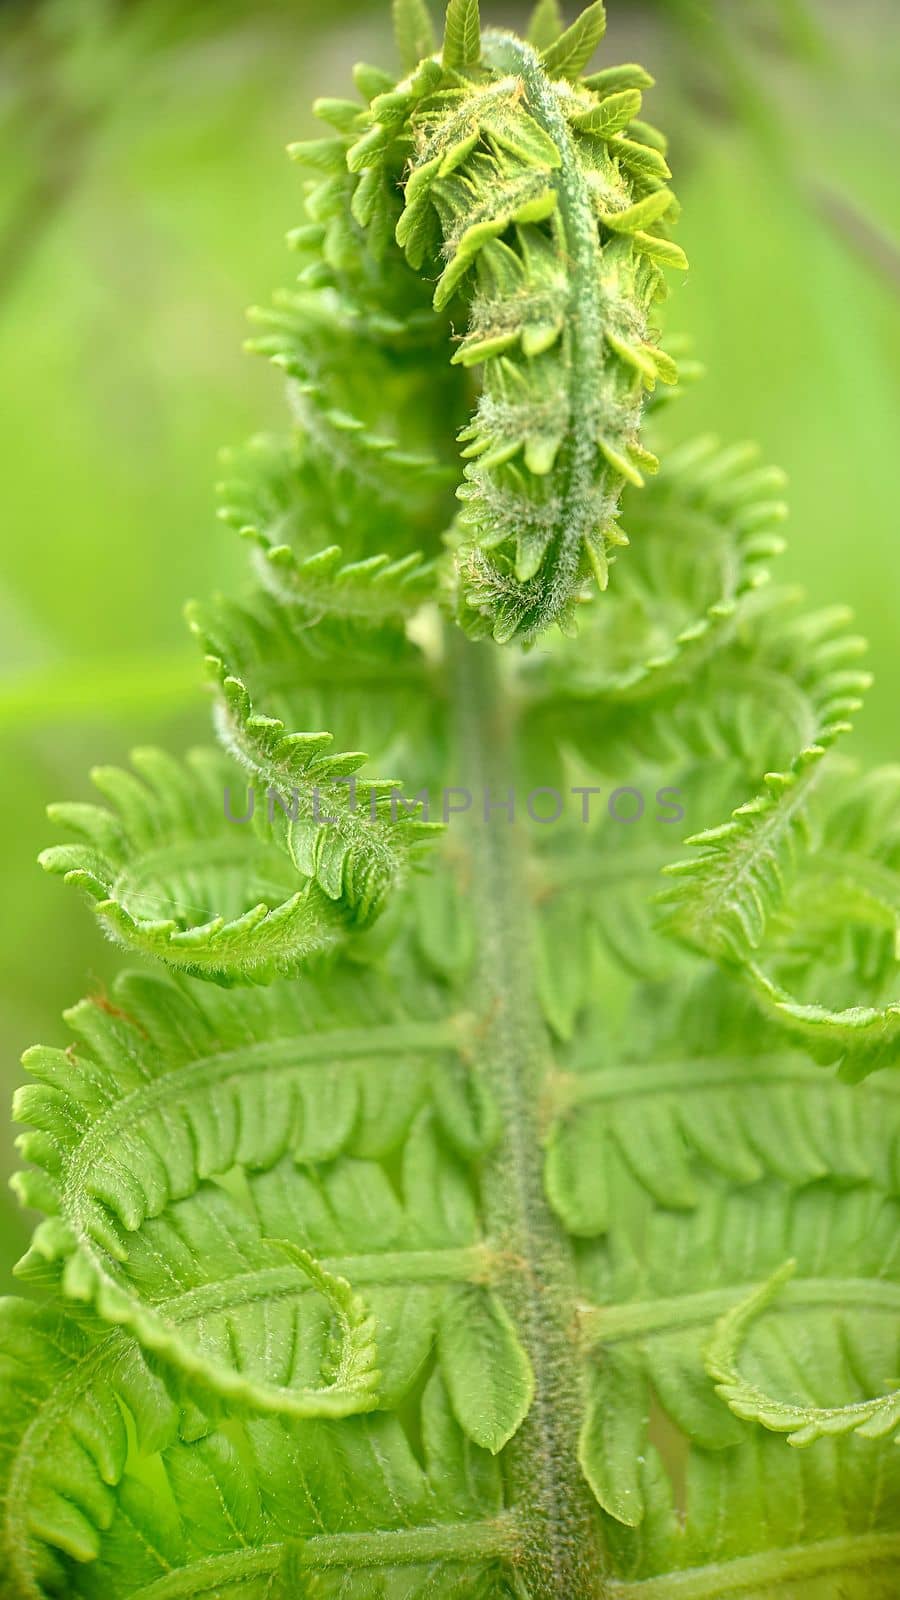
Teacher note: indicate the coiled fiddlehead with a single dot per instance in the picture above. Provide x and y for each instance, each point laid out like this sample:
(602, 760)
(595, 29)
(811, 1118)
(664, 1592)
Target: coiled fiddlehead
(524, 190)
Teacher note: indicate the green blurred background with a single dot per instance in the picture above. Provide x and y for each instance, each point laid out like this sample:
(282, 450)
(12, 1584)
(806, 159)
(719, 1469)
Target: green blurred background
(144, 195)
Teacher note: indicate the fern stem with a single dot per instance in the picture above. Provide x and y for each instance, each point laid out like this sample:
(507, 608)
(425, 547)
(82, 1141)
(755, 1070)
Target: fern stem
(768, 1572)
(584, 320)
(608, 1324)
(539, 1287)
(323, 1552)
(467, 1264)
(684, 1078)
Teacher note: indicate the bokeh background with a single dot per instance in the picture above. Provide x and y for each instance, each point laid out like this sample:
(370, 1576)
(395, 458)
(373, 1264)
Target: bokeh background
(144, 195)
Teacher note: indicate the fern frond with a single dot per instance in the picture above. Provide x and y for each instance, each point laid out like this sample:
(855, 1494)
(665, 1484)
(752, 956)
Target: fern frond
(252, 1074)
(515, 1174)
(720, 902)
(781, 681)
(226, 1308)
(349, 834)
(702, 533)
(851, 1554)
(858, 1039)
(171, 876)
(802, 1421)
(747, 1116)
(523, 190)
(304, 675)
(688, 758)
(135, 1129)
(813, 916)
(269, 501)
(371, 456)
(658, 1305)
(827, 968)
(85, 1514)
(302, 340)
(64, 1439)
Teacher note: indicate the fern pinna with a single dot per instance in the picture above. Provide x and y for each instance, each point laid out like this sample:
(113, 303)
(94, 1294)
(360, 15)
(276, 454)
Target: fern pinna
(455, 1214)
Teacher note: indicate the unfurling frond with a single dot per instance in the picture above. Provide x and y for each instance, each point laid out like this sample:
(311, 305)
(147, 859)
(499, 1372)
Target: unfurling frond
(867, 1349)
(527, 197)
(268, 501)
(172, 874)
(487, 1228)
(344, 831)
(237, 1509)
(800, 889)
(164, 1094)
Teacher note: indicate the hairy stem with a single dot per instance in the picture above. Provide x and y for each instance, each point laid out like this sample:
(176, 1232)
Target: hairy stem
(562, 1559)
(584, 316)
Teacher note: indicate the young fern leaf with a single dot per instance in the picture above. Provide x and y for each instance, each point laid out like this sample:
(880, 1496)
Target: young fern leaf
(170, 876)
(267, 500)
(217, 1511)
(744, 864)
(749, 1113)
(523, 190)
(702, 532)
(653, 1318)
(803, 1423)
(347, 834)
(187, 1334)
(437, 1247)
(64, 1439)
(840, 920)
(767, 895)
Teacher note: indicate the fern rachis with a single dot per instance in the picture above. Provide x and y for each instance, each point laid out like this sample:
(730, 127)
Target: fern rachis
(440, 1224)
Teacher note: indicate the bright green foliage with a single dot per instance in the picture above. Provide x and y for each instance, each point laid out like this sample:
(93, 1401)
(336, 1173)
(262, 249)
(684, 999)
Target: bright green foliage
(462, 1214)
(523, 190)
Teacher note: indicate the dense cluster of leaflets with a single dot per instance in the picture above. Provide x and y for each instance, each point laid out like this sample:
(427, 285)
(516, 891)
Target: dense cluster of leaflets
(452, 1213)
